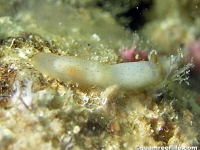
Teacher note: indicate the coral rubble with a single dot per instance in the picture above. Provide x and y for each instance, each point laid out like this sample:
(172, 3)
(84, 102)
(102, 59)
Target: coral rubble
(39, 111)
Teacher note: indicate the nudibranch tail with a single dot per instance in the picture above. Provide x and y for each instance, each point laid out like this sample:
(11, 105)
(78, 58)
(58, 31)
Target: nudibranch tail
(132, 75)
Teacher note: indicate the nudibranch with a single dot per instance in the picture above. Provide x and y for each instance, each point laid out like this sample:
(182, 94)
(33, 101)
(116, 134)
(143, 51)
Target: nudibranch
(131, 75)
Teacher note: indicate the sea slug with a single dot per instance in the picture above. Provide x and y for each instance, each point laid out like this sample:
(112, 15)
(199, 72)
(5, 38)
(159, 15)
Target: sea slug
(132, 75)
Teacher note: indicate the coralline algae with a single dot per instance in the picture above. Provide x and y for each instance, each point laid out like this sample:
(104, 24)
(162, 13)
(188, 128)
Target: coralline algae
(134, 75)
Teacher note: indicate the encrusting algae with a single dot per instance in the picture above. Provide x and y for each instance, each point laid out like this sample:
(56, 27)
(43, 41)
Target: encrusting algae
(40, 110)
(71, 114)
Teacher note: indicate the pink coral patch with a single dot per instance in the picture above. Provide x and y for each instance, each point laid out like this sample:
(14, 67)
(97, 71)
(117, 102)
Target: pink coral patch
(133, 55)
(194, 52)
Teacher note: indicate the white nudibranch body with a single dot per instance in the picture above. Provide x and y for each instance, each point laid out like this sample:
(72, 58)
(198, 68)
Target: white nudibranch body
(133, 75)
